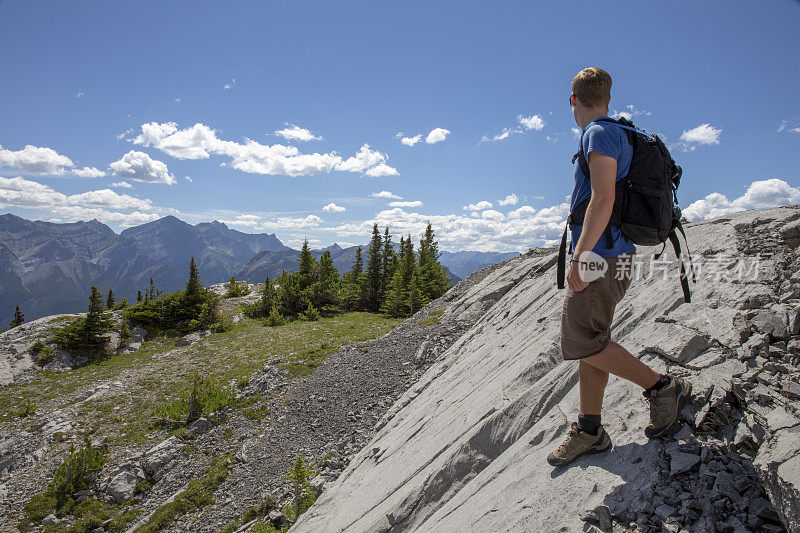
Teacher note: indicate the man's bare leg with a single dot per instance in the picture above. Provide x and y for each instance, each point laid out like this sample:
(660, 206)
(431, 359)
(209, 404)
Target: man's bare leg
(617, 360)
(592, 387)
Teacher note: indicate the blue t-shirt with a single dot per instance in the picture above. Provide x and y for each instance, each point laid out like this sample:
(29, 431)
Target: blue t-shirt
(611, 140)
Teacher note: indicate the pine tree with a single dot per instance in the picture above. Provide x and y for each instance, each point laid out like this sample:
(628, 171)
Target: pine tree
(110, 299)
(139, 296)
(307, 267)
(268, 296)
(193, 285)
(325, 292)
(358, 264)
(19, 318)
(433, 278)
(152, 292)
(386, 267)
(97, 321)
(393, 302)
(372, 287)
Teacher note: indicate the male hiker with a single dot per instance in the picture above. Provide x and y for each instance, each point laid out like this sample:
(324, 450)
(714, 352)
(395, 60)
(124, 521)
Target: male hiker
(589, 306)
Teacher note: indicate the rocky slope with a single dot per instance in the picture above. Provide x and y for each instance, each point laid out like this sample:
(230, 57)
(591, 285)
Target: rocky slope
(464, 448)
(332, 410)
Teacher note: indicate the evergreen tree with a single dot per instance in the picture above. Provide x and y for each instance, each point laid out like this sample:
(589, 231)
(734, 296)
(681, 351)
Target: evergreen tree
(307, 267)
(110, 299)
(96, 321)
(193, 285)
(372, 286)
(433, 278)
(358, 264)
(268, 295)
(152, 292)
(414, 294)
(395, 297)
(325, 293)
(19, 318)
(386, 267)
(139, 296)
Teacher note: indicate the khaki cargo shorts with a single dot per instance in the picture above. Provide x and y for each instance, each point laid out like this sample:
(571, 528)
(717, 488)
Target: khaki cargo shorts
(586, 316)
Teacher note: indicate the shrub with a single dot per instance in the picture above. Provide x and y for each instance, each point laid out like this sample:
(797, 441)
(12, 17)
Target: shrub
(86, 334)
(221, 327)
(311, 314)
(275, 318)
(201, 397)
(70, 477)
(299, 475)
(176, 310)
(27, 408)
(41, 353)
(236, 289)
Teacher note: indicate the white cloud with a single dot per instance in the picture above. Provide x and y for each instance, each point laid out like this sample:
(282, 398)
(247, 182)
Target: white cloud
(139, 166)
(295, 133)
(458, 232)
(188, 178)
(44, 161)
(381, 169)
(386, 194)
(483, 204)
(510, 199)
(525, 211)
(629, 112)
(290, 223)
(25, 193)
(104, 205)
(122, 185)
(366, 160)
(109, 199)
(333, 208)
(411, 141)
(791, 125)
(231, 84)
(410, 203)
(88, 172)
(35, 160)
(200, 141)
(760, 194)
(79, 94)
(534, 122)
(491, 214)
(576, 133)
(437, 135)
(703, 134)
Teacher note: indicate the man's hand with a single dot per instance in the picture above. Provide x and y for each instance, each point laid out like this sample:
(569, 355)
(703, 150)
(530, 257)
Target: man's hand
(574, 277)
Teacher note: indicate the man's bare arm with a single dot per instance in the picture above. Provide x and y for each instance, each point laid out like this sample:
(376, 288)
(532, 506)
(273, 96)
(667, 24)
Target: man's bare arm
(604, 176)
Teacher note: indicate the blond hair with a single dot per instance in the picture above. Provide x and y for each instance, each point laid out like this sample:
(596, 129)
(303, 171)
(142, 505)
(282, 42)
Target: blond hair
(592, 86)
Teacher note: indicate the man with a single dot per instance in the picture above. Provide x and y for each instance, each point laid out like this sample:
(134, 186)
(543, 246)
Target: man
(589, 304)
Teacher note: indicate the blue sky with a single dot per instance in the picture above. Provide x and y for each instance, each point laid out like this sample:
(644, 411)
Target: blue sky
(147, 93)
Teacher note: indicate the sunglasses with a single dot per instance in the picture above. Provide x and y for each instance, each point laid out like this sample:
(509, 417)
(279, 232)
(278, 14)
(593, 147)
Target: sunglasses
(570, 99)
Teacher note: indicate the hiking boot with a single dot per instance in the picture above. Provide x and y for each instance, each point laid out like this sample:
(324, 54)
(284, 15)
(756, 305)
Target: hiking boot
(577, 443)
(665, 405)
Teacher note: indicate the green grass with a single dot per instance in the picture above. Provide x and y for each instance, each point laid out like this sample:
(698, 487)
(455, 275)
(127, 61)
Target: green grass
(199, 493)
(127, 415)
(433, 318)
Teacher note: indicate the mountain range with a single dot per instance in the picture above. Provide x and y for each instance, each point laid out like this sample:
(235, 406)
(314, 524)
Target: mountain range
(49, 267)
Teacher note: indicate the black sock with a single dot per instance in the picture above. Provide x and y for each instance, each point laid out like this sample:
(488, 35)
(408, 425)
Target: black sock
(589, 423)
(662, 382)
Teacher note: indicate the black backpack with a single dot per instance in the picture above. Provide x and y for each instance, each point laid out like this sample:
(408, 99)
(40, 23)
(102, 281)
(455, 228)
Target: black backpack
(645, 201)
